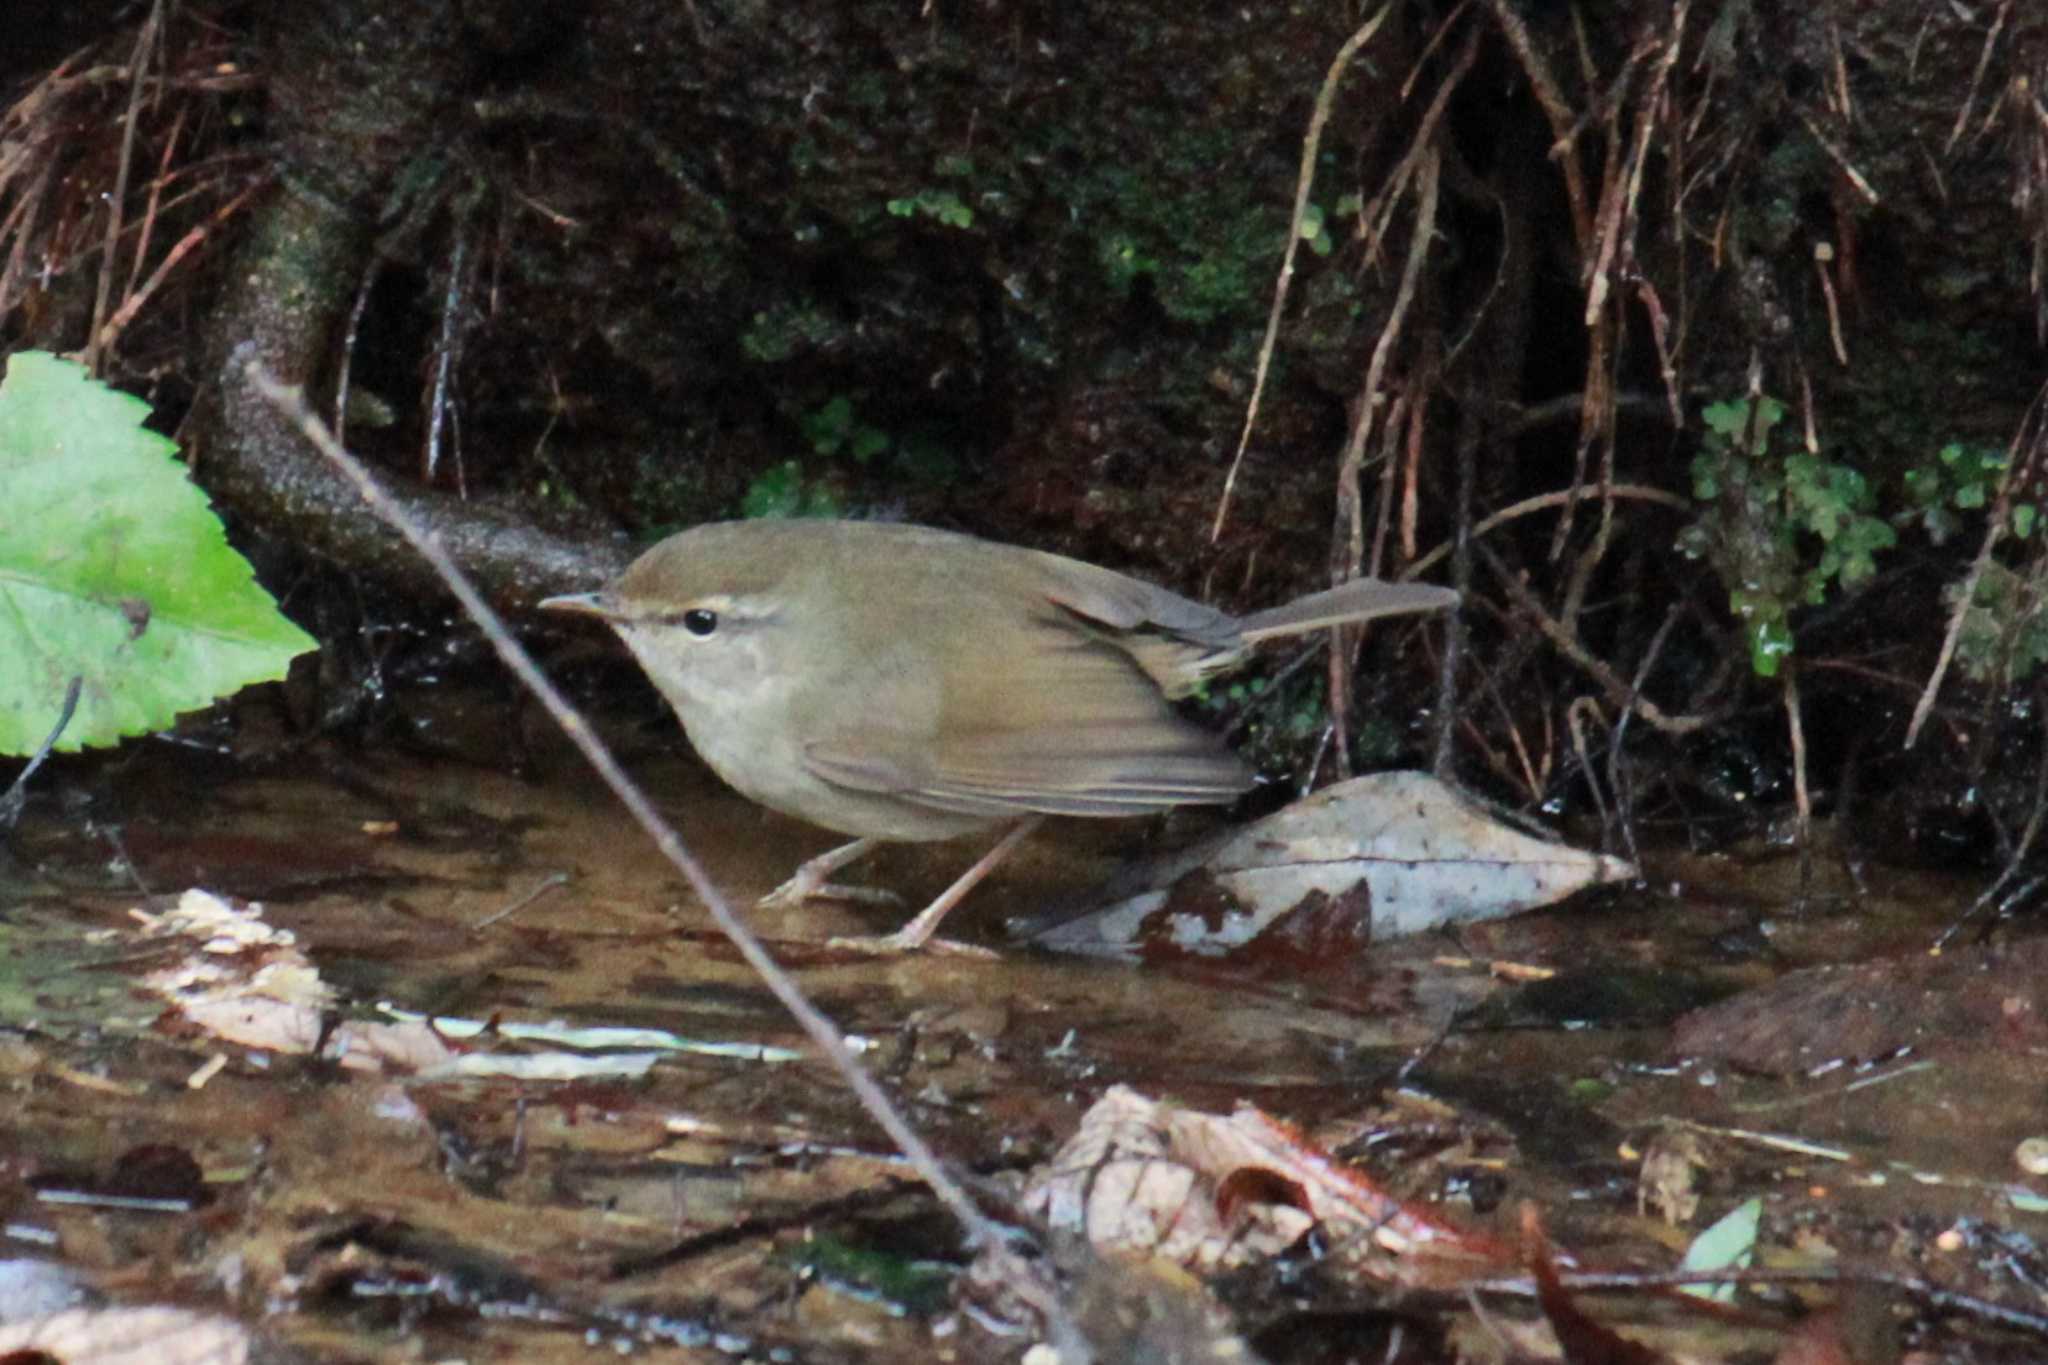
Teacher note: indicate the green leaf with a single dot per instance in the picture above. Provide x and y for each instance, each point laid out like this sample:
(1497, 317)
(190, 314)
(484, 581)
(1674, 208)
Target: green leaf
(868, 443)
(1770, 639)
(1725, 419)
(113, 568)
(782, 491)
(826, 428)
(1728, 1244)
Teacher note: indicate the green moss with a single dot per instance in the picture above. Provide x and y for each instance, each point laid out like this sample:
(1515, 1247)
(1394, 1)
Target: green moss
(1206, 242)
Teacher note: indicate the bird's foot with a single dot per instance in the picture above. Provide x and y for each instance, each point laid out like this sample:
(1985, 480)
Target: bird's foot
(890, 945)
(798, 889)
(809, 882)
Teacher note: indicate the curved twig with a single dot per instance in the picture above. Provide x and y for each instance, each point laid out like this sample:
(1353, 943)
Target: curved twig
(1326, 99)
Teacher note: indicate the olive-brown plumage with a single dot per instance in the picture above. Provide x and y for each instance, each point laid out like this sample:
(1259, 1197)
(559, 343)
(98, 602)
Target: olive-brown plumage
(902, 683)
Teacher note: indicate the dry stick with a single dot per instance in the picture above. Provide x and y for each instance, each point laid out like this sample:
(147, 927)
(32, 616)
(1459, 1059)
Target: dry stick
(348, 343)
(1374, 217)
(164, 176)
(1376, 369)
(1838, 67)
(1613, 232)
(1802, 798)
(1616, 228)
(1618, 691)
(1575, 727)
(15, 798)
(1404, 414)
(1350, 500)
(184, 246)
(20, 226)
(1596, 410)
(1977, 77)
(1640, 492)
(1624, 793)
(1326, 98)
(290, 401)
(1562, 122)
(446, 347)
(138, 64)
(1443, 758)
(1603, 319)
(541, 888)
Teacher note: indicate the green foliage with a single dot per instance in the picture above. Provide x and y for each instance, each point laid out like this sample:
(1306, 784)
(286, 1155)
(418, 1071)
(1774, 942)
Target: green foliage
(2004, 634)
(942, 205)
(1207, 247)
(835, 428)
(1961, 478)
(784, 492)
(2005, 630)
(1787, 525)
(1315, 227)
(114, 569)
(1277, 725)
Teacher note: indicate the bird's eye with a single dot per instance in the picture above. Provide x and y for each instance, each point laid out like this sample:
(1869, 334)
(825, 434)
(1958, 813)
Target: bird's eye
(700, 621)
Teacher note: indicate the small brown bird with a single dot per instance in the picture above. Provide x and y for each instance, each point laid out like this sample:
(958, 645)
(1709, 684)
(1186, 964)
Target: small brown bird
(901, 683)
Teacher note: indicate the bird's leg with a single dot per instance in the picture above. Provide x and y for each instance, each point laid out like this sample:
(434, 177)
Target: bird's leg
(918, 933)
(808, 882)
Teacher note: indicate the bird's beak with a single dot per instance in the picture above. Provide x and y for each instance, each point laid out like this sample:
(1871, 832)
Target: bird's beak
(581, 604)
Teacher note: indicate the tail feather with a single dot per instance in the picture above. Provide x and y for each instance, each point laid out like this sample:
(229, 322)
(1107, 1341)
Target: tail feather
(1361, 599)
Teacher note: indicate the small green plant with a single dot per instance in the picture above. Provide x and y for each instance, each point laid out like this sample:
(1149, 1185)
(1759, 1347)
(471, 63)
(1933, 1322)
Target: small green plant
(944, 206)
(1787, 526)
(1282, 720)
(1315, 225)
(784, 492)
(1962, 478)
(835, 428)
(2005, 631)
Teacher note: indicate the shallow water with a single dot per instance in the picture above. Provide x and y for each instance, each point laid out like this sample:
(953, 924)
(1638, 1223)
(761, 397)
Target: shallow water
(692, 1210)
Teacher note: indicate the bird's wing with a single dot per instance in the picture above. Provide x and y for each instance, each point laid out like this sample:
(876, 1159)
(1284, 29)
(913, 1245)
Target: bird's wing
(1065, 723)
(1130, 604)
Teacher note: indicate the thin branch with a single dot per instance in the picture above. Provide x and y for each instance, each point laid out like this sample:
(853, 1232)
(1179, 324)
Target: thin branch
(1563, 125)
(16, 796)
(1617, 688)
(138, 65)
(1638, 492)
(1977, 76)
(1326, 99)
